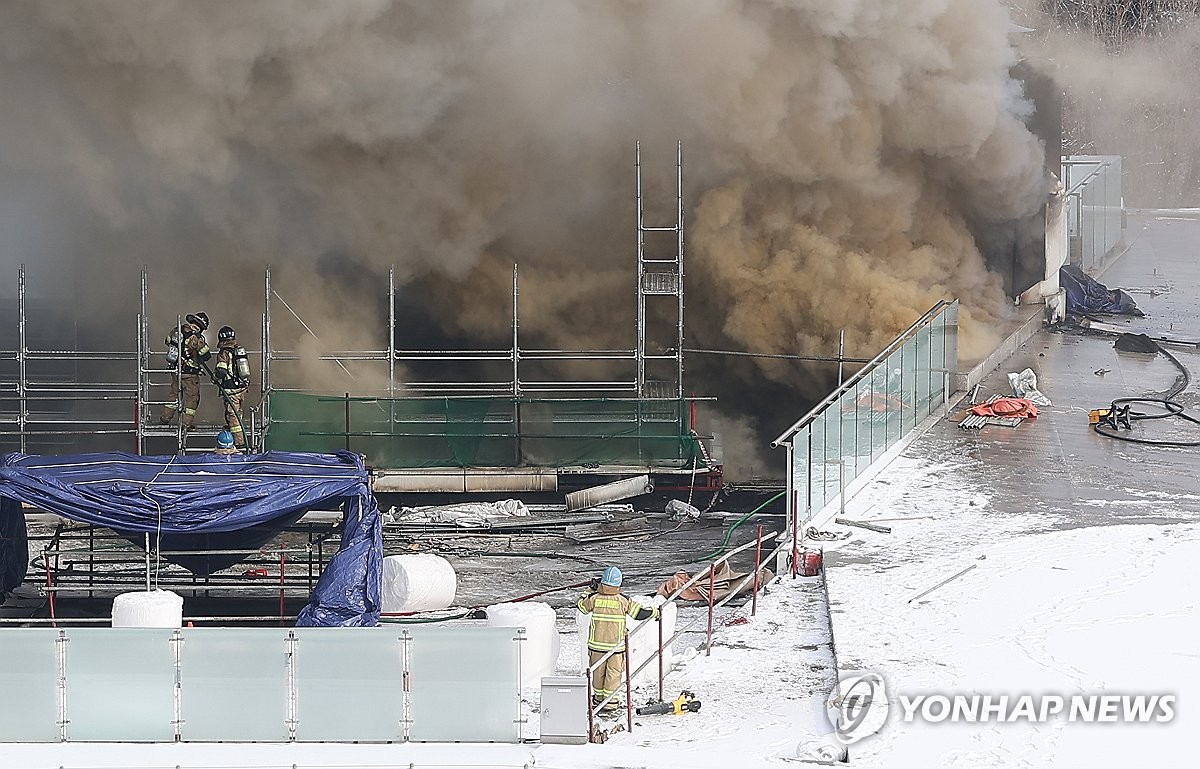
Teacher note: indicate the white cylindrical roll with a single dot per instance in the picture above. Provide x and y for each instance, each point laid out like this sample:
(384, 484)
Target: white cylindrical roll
(539, 650)
(156, 608)
(417, 582)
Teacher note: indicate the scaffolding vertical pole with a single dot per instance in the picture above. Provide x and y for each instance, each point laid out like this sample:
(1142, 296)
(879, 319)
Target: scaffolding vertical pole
(22, 403)
(679, 287)
(137, 398)
(516, 369)
(641, 269)
(266, 364)
(181, 434)
(264, 403)
(392, 332)
(143, 362)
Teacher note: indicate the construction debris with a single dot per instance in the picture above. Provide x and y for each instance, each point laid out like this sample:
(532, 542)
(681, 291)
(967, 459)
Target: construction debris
(682, 511)
(609, 530)
(864, 525)
(814, 535)
(609, 492)
(999, 410)
(1024, 385)
(725, 581)
(464, 514)
(946, 581)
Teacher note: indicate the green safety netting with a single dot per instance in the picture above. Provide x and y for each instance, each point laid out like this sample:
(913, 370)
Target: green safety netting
(485, 432)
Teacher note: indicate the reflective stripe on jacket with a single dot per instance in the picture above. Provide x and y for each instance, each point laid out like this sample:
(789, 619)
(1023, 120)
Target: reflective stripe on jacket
(225, 372)
(609, 610)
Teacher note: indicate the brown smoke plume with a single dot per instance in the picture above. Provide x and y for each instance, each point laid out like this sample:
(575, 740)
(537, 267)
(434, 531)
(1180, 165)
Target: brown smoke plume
(840, 161)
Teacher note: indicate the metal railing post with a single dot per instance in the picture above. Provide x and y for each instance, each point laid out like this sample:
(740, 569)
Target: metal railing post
(660, 655)
(712, 567)
(795, 534)
(628, 685)
(49, 587)
(757, 567)
(590, 705)
(282, 570)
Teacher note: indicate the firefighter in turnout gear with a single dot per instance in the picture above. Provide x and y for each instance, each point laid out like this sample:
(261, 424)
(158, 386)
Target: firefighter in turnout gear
(609, 610)
(187, 352)
(232, 375)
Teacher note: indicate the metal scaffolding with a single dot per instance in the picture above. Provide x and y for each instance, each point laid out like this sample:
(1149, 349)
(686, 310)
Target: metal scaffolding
(641, 374)
(40, 400)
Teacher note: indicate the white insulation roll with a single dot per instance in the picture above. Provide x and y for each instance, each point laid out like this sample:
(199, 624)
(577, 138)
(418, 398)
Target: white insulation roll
(417, 582)
(643, 644)
(539, 650)
(156, 608)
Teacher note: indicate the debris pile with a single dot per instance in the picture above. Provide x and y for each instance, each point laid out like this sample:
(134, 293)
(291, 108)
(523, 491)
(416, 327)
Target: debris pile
(999, 410)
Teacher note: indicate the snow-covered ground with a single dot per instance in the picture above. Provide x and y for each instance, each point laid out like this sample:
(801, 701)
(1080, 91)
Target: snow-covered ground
(1095, 610)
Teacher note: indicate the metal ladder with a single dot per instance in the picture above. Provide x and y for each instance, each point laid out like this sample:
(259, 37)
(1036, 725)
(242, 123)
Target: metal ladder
(660, 277)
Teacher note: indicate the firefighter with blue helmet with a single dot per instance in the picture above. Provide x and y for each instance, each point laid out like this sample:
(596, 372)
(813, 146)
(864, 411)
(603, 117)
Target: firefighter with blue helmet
(609, 610)
(232, 376)
(225, 443)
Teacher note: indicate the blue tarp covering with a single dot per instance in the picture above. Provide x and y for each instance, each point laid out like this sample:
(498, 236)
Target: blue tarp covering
(207, 493)
(1086, 295)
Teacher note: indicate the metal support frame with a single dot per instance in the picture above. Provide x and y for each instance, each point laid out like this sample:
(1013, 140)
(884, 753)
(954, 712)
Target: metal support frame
(32, 387)
(657, 278)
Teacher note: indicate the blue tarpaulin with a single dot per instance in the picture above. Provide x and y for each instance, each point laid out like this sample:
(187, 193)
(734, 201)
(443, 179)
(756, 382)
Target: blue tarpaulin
(1086, 295)
(207, 493)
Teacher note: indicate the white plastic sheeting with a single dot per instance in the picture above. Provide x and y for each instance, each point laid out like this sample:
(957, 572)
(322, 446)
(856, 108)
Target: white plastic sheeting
(464, 514)
(417, 582)
(1024, 385)
(156, 608)
(643, 644)
(539, 650)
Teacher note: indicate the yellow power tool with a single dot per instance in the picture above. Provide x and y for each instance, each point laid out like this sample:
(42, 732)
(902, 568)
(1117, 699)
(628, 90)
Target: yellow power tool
(686, 702)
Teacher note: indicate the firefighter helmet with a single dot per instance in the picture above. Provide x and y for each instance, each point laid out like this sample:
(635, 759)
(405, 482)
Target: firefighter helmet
(226, 333)
(199, 319)
(612, 577)
(224, 440)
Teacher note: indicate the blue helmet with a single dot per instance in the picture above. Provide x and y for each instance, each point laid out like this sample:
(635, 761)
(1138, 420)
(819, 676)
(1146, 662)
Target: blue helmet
(612, 577)
(224, 440)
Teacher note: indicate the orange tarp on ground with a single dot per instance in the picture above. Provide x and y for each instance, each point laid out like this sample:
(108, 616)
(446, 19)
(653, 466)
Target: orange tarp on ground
(1007, 407)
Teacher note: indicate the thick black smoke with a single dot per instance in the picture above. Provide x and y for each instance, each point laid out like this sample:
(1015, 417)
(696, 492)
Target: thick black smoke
(840, 159)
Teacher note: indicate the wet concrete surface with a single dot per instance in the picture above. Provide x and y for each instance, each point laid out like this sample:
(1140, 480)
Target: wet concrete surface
(1056, 466)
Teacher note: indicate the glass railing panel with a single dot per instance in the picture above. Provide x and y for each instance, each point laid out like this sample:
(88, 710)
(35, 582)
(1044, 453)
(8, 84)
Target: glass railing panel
(29, 682)
(349, 685)
(120, 685)
(234, 684)
(464, 684)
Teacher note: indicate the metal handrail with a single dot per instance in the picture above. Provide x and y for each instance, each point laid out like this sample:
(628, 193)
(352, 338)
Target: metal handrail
(862, 373)
(1100, 166)
(672, 598)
